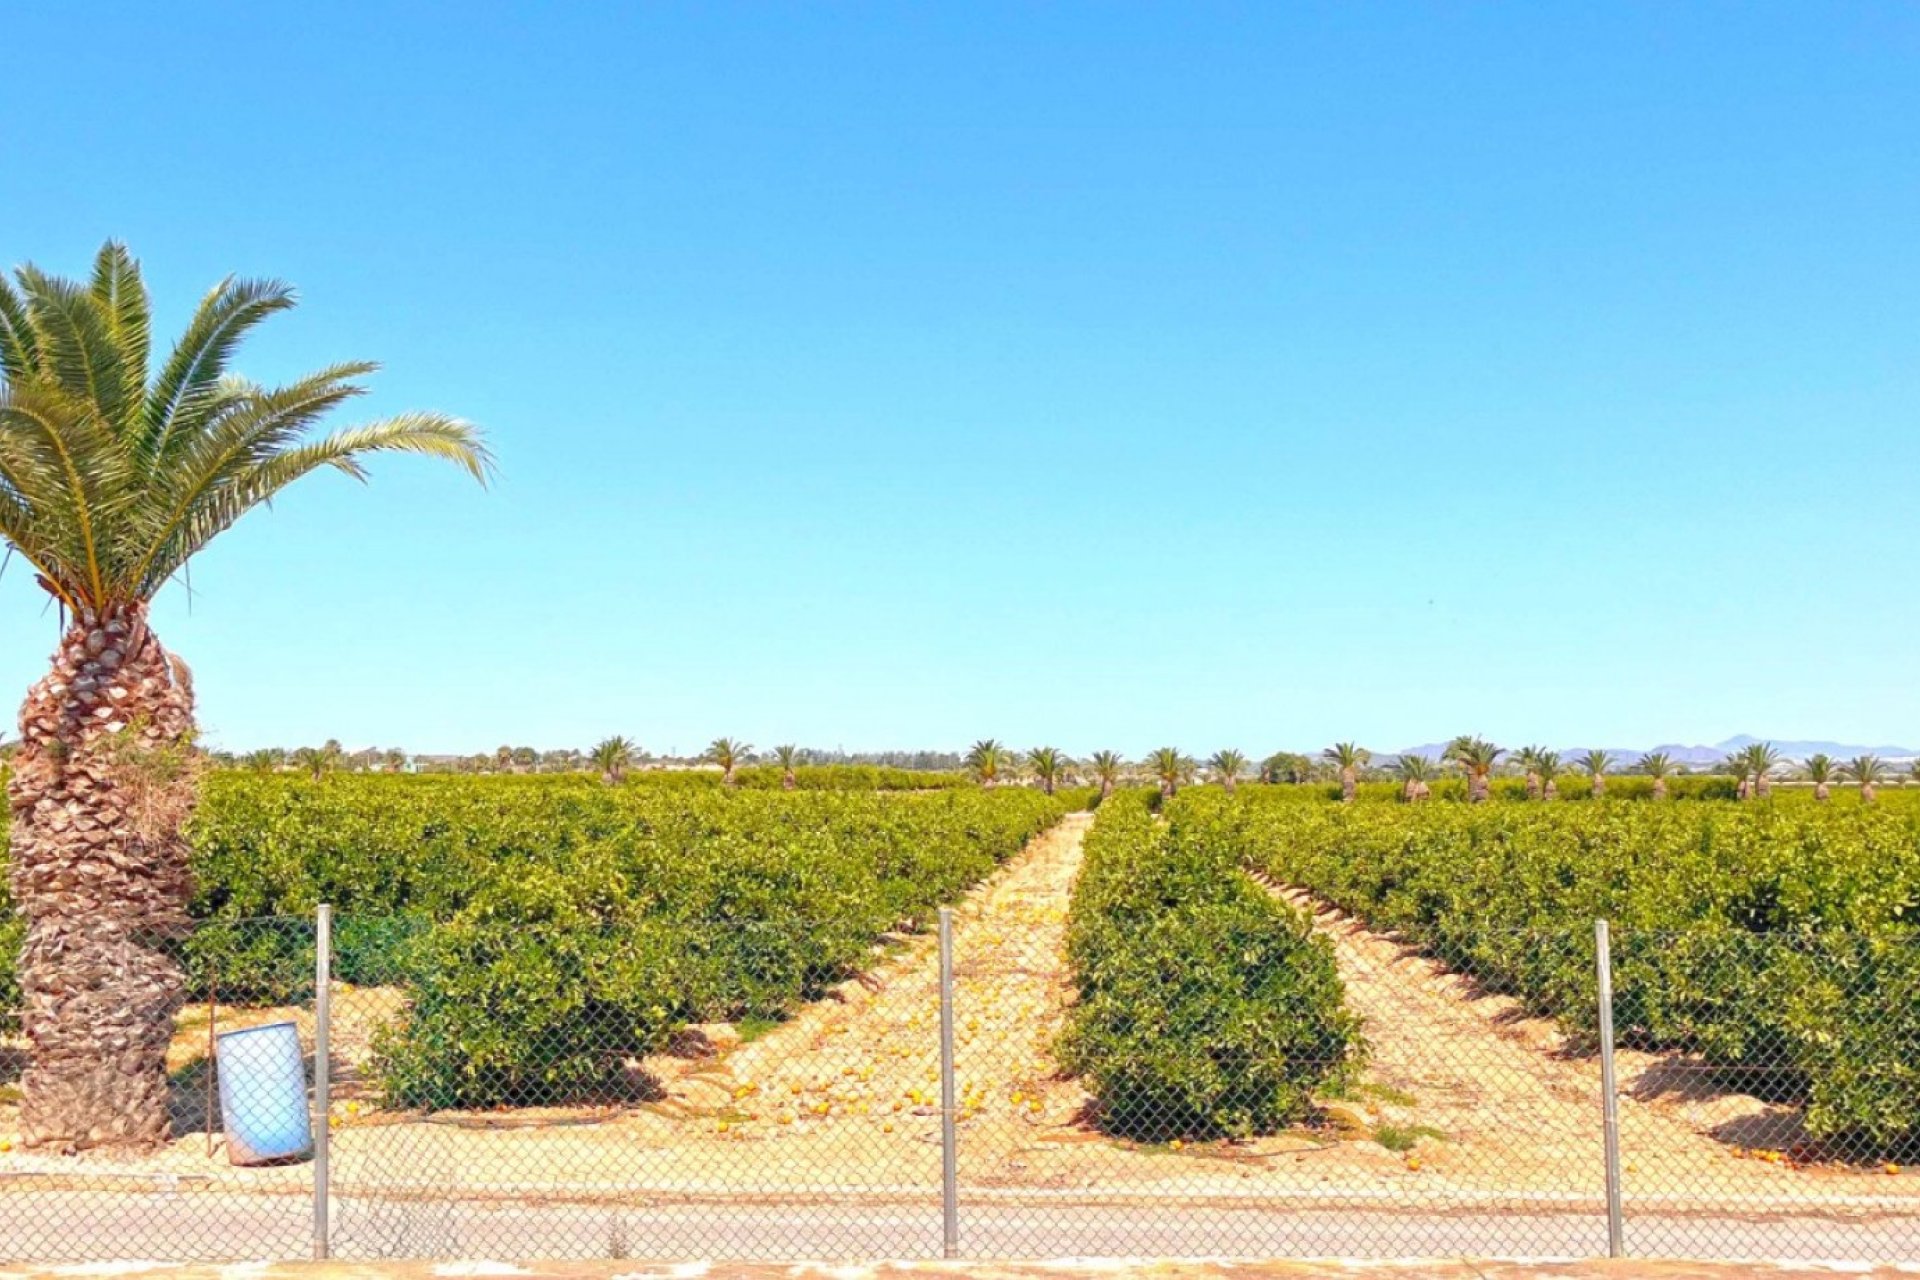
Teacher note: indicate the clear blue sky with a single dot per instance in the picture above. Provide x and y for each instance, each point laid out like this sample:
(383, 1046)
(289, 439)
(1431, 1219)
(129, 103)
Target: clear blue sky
(888, 375)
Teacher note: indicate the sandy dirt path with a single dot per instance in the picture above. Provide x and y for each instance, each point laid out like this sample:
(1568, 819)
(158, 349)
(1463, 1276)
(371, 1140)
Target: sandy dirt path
(1513, 1108)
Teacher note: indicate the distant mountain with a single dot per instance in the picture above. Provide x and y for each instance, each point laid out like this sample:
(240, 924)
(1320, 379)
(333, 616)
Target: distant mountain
(1696, 755)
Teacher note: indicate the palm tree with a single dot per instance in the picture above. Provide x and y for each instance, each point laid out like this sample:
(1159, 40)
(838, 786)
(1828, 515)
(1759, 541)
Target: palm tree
(1229, 766)
(1107, 767)
(729, 755)
(394, 760)
(1820, 774)
(1595, 765)
(1049, 766)
(112, 478)
(1547, 763)
(1171, 769)
(318, 761)
(985, 760)
(1477, 757)
(1528, 758)
(1754, 767)
(788, 757)
(1349, 759)
(1657, 765)
(1414, 773)
(1865, 770)
(613, 757)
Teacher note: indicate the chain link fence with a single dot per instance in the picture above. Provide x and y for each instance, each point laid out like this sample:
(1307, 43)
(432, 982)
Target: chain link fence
(386, 1088)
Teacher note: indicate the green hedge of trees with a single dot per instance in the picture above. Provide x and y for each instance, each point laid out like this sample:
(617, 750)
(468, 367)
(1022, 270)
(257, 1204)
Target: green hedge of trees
(1206, 1008)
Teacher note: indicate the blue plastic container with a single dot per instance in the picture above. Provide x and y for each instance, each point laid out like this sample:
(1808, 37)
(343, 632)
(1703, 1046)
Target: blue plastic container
(263, 1094)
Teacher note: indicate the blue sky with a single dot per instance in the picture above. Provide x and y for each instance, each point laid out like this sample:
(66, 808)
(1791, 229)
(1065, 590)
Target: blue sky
(886, 375)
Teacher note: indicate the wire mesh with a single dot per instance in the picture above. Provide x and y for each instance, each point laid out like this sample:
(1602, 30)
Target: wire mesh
(711, 1091)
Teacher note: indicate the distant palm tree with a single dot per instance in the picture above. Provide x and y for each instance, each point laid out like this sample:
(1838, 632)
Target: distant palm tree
(1659, 766)
(318, 761)
(1349, 760)
(1820, 769)
(1595, 765)
(729, 755)
(788, 757)
(1754, 768)
(1171, 769)
(1049, 765)
(1528, 758)
(1229, 766)
(1477, 757)
(1107, 767)
(1414, 773)
(613, 757)
(1867, 771)
(265, 760)
(987, 760)
(1549, 766)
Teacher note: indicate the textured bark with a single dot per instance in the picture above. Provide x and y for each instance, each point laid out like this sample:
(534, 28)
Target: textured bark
(1659, 788)
(1533, 785)
(787, 781)
(1106, 788)
(1479, 786)
(1599, 785)
(1349, 784)
(1230, 782)
(1866, 793)
(100, 872)
(1821, 791)
(1551, 791)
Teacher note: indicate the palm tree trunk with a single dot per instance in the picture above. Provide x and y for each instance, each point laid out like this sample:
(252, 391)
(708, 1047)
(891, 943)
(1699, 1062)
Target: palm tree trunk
(1533, 786)
(1229, 780)
(1599, 785)
(1551, 791)
(1866, 793)
(1659, 788)
(100, 788)
(1478, 787)
(1106, 788)
(1762, 787)
(788, 782)
(1821, 791)
(1349, 784)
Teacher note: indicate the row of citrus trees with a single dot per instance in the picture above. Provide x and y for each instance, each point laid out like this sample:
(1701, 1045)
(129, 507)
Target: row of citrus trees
(1205, 1007)
(1780, 940)
(547, 931)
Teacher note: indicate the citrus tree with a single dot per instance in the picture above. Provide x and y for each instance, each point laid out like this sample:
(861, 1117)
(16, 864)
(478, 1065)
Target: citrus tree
(114, 474)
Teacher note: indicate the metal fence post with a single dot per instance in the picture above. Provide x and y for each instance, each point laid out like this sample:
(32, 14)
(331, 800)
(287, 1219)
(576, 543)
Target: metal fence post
(322, 1071)
(949, 1159)
(1609, 1092)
